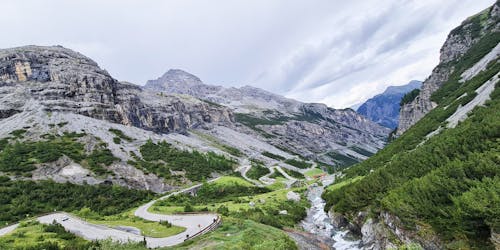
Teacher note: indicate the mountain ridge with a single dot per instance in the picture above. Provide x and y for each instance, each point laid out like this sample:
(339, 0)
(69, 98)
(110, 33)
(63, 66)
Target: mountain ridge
(309, 129)
(384, 108)
(459, 41)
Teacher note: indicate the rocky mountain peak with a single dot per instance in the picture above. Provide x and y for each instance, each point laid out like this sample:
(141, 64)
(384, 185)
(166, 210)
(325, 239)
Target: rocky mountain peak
(178, 76)
(403, 89)
(57, 79)
(384, 108)
(175, 81)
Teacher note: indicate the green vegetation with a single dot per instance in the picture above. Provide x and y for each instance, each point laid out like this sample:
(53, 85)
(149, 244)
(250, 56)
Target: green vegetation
(361, 151)
(216, 143)
(273, 156)
(162, 158)
(314, 172)
(343, 161)
(241, 234)
(19, 133)
(99, 158)
(276, 175)
(31, 235)
(117, 140)
(225, 189)
(474, 54)
(298, 163)
(231, 196)
(232, 150)
(21, 157)
(148, 228)
(409, 97)
(293, 174)
(340, 184)
(28, 198)
(472, 25)
(252, 121)
(120, 134)
(62, 124)
(448, 184)
(257, 171)
(212, 103)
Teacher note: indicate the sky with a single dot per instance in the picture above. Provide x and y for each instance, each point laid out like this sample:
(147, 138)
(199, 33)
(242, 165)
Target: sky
(335, 52)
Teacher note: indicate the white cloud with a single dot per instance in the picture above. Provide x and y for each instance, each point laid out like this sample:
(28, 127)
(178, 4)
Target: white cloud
(333, 51)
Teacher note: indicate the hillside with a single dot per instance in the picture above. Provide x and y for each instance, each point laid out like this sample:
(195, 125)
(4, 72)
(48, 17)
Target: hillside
(457, 46)
(75, 140)
(436, 186)
(338, 138)
(384, 108)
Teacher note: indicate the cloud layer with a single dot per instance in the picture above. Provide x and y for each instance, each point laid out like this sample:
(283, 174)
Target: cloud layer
(331, 51)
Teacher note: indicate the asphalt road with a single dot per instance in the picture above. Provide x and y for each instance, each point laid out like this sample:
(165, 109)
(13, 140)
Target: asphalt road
(193, 223)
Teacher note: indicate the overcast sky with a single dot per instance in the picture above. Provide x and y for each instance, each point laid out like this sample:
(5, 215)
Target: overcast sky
(333, 51)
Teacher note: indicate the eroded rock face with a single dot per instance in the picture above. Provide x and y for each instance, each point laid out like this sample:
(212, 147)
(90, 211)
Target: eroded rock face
(58, 79)
(310, 129)
(459, 41)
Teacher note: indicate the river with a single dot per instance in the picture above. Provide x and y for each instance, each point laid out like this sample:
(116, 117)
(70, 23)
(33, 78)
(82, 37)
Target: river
(319, 223)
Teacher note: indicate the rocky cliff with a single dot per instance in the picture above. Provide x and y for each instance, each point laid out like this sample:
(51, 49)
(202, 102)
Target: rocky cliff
(58, 79)
(459, 41)
(312, 130)
(245, 99)
(384, 108)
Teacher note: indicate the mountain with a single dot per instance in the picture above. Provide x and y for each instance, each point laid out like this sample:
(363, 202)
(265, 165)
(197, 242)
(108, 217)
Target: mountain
(437, 185)
(384, 108)
(54, 97)
(334, 137)
(459, 42)
(246, 99)
(55, 79)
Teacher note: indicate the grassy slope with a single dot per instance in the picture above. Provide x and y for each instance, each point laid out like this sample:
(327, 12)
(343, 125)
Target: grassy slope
(242, 234)
(272, 200)
(314, 172)
(148, 228)
(33, 235)
(448, 184)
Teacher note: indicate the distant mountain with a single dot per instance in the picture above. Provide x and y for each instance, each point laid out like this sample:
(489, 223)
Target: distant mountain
(384, 108)
(313, 130)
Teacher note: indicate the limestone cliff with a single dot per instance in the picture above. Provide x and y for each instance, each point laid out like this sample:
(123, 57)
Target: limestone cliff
(459, 41)
(312, 130)
(58, 79)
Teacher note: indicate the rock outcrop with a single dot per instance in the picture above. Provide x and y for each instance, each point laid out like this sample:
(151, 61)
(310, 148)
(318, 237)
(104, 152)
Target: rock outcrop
(459, 41)
(384, 108)
(57, 79)
(246, 99)
(312, 130)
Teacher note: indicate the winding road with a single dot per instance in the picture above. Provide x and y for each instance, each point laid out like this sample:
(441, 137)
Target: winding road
(194, 224)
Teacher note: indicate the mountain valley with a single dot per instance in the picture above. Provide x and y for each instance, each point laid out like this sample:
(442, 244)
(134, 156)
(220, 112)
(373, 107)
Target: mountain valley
(90, 162)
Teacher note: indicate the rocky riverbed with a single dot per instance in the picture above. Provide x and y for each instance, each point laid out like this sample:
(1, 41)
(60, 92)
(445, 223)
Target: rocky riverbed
(319, 224)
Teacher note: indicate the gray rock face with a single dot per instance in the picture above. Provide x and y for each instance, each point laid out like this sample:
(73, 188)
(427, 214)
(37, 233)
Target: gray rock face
(384, 108)
(327, 135)
(58, 79)
(246, 99)
(310, 129)
(459, 41)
